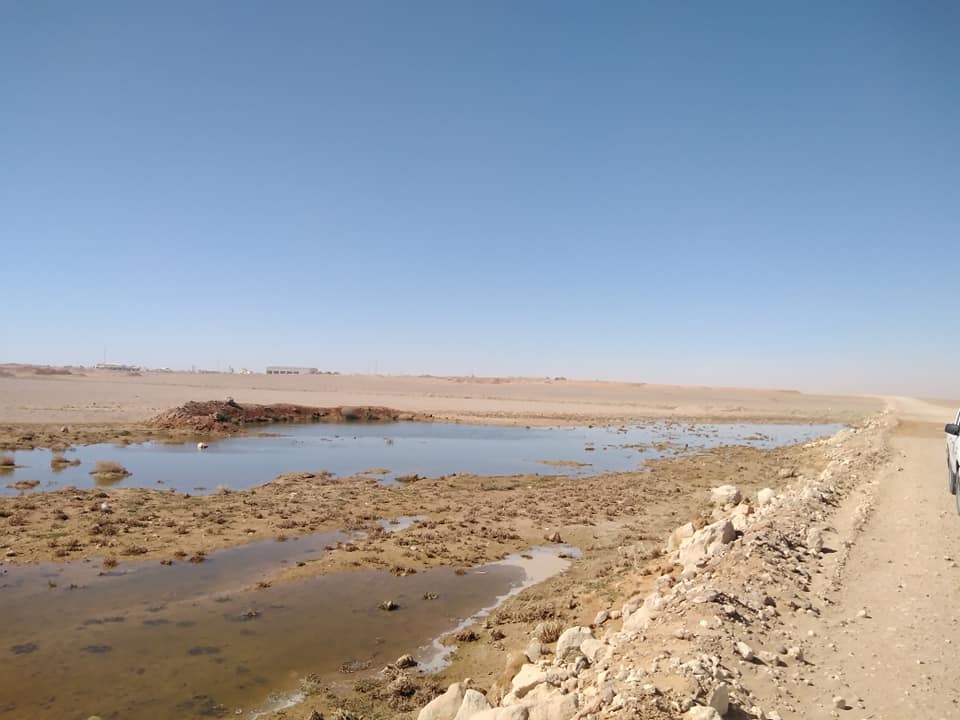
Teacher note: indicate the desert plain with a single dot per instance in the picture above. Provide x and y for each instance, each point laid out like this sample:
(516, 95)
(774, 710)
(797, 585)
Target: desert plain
(823, 594)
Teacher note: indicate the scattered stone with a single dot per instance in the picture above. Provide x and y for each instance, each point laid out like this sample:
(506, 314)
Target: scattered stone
(705, 543)
(473, 702)
(569, 642)
(814, 540)
(701, 712)
(601, 617)
(839, 703)
(405, 661)
(444, 707)
(744, 651)
(534, 650)
(389, 606)
(725, 495)
(720, 698)
(765, 497)
(553, 537)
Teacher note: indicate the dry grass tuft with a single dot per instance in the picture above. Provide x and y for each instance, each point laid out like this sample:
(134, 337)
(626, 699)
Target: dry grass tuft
(549, 631)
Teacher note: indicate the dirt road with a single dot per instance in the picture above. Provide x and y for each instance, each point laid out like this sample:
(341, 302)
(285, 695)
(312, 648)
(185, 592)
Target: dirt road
(904, 571)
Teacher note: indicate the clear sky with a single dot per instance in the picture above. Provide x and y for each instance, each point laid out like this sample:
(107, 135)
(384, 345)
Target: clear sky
(735, 193)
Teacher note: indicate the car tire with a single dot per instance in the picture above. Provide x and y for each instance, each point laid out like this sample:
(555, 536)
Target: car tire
(952, 479)
(957, 496)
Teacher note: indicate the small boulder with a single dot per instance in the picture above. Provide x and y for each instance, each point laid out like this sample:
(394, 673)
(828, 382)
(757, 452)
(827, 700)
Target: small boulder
(701, 712)
(514, 712)
(526, 680)
(725, 495)
(720, 698)
(405, 661)
(591, 648)
(745, 651)
(814, 539)
(553, 536)
(473, 702)
(444, 707)
(534, 650)
(765, 497)
(705, 543)
(569, 642)
(679, 535)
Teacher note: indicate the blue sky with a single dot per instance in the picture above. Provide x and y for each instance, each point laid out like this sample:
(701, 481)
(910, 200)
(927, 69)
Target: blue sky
(706, 193)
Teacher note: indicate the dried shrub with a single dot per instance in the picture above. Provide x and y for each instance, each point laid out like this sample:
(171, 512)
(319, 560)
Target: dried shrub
(549, 631)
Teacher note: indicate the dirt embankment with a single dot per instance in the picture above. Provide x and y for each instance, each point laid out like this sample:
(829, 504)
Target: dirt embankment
(210, 419)
(228, 416)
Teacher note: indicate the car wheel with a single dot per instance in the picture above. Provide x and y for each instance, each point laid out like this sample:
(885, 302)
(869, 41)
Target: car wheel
(957, 495)
(951, 479)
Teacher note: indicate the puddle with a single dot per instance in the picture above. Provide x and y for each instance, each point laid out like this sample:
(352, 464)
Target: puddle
(393, 450)
(400, 523)
(198, 640)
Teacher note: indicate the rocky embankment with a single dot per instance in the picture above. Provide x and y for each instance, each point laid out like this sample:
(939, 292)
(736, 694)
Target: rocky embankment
(723, 626)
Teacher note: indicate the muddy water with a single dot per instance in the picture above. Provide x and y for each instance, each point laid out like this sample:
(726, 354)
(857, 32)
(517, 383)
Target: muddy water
(200, 640)
(428, 449)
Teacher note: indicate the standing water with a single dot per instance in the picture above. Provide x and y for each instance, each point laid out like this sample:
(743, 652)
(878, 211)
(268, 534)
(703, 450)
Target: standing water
(427, 449)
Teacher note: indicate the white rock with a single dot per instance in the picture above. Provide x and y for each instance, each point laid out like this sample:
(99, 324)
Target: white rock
(601, 617)
(528, 678)
(765, 497)
(815, 539)
(514, 712)
(744, 650)
(725, 495)
(534, 651)
(739, 522)
(444, 707)
(705, 543)
(720, 698)
(569, 642)
(591, 647)
(701, 712)
(650, 609)
(473, 702)
(557, 707)
(839, 703)
(679, 535)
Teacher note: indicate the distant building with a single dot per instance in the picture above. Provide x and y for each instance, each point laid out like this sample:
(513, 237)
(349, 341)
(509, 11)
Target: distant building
(286, 370)
(117, 366)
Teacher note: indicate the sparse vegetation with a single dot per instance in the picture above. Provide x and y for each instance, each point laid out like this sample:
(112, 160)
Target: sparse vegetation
(549, 631)
(108, 468)
(59, 461)
(51, 371)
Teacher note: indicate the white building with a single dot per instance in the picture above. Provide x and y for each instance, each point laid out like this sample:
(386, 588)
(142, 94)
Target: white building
(288, 370)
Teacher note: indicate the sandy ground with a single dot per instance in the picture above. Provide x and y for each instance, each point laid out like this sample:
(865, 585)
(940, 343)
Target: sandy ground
(903, 571)
(106, 397)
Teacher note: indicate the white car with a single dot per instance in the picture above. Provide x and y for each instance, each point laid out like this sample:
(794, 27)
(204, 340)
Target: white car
(953, 438)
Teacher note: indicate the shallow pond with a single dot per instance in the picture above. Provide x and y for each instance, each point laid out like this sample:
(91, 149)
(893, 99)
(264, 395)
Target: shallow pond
(145, 641)
(427, 449)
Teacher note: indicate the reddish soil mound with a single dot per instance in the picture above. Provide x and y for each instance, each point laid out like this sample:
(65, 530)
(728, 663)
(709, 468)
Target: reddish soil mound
(228, 415)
